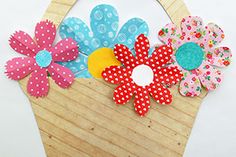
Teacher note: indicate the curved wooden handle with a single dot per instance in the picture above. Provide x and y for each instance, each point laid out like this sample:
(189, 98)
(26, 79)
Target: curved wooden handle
(58, 9)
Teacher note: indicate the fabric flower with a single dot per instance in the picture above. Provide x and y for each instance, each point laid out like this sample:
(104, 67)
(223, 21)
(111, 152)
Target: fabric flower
(195, 54)
(96, 44)
(142, 75)
(41, 59)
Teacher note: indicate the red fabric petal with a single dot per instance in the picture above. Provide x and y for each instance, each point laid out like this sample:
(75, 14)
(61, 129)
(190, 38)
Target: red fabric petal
(22, 43)
(19, 68)
(160, 57)
(124, 55)
(142, 101)
(61, 75)
(66, 50)
(123, 93)
(116, 74)
(45, 33)
(38, 85)
(168, 75)
(161, 94)
(142, 47)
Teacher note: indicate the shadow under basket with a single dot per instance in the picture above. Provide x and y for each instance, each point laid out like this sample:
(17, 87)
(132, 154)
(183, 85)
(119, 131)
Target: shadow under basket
(84, 121)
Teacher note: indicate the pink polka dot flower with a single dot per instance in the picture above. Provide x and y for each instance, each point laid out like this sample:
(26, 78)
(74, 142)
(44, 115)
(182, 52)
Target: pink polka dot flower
(142, 75)
(195, 55)
(41, 59)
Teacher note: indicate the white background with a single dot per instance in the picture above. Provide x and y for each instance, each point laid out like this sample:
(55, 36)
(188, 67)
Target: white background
(214, 133)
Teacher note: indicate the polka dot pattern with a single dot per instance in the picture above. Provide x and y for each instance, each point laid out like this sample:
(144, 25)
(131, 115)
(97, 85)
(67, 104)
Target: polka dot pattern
(22, 43)
(125, 56)
(19, 68)
(38, 84)
(40, 60)
(65, 51)
(142, 101)
(45, 33)
(163, 75)
(142, 47)
(62, 76)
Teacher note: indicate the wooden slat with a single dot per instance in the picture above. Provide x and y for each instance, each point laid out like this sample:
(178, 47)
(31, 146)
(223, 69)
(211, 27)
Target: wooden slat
(84, 121)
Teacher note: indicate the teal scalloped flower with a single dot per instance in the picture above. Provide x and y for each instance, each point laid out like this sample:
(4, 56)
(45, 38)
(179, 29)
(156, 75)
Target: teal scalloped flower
(96, 44)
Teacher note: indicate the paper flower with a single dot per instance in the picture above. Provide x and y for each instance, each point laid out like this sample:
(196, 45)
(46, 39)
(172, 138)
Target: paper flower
(96, 44)
(142, 75)
(195, 54)
(41, 59)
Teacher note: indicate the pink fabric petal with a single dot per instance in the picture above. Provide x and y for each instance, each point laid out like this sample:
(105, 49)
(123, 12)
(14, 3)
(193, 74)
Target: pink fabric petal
(168, 76)
(142, 47)
(215, 33)
(210, 77)
(190, 85)
(45, 33)
(123, 93)
(38, 84)
(116, 74)
(160, 57)
(125, 56)
(160, 94)
(19, 68)
(22, 43)
(220, 57)
(171, 35)
(66, 50)
(61, 75)
(142, 101)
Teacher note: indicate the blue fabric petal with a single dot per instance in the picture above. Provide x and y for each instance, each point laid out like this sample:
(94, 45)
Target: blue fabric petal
(130, 31)
(104, 24)
(83, 74)
(79, 31)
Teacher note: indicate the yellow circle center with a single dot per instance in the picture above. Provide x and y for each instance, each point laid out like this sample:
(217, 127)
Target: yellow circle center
(101, 59)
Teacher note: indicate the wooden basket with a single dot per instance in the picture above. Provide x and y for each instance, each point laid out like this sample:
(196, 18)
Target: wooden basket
(84, 121)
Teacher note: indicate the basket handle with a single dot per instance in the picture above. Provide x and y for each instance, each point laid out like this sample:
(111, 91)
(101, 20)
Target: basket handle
(58, 9)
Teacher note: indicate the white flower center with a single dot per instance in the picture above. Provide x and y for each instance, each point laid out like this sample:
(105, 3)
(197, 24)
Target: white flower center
(142, 75)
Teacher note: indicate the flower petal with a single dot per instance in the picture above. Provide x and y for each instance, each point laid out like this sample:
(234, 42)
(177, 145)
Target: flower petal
(76, 29)
(190, 85)
(65, 51)
(160, 57)
(130, 30)
(160, 93)
(142, 47)
(125, 56)
(22, 43)
(215, 33)
(38, 84)
(123, 93)
(142, 101)
(210, 77)
(19, 68)
(45, 33)
(116, 75)
(168, 76)
(83, 74)
(190, 26)
(61, 75)
(221, 57)
(171, 35)
(104, 23)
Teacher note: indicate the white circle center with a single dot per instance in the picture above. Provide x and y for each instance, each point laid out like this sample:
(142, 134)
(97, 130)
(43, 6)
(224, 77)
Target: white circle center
(142, 75)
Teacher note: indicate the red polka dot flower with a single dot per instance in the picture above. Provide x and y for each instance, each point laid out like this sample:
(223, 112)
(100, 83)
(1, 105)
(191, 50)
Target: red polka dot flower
(41, 59)
(142, 75)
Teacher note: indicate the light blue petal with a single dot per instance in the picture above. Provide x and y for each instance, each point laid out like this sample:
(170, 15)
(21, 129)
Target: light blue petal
(83, 74)
(130, 31)
(104, 24)
(79, 31)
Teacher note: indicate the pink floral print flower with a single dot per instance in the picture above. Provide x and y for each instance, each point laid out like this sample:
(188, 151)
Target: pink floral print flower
(41, 59)
(195, 54)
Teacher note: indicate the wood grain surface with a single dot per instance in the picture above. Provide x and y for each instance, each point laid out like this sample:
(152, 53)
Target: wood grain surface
(83, 121)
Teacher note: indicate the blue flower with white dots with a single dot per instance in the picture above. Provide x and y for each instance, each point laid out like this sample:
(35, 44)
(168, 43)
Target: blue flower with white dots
(103, 34)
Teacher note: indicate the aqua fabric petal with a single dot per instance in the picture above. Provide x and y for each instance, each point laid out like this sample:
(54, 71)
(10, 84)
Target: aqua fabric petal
(79, 31)
(83, 74)
(130, 30)
(104, 24)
